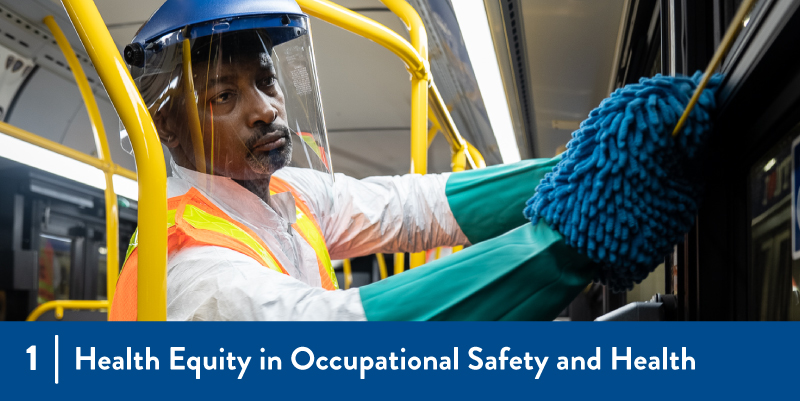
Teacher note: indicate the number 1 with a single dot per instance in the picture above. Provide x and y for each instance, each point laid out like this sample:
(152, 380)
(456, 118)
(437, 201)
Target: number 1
(32, 350)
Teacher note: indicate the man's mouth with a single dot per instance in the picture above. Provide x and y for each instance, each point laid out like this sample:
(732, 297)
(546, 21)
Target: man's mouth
(271, 141)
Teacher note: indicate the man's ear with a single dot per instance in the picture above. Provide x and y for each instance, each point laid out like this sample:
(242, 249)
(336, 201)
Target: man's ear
(166, 130)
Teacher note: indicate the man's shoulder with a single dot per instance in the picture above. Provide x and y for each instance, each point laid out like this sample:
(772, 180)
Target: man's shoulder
(288, 173)
(310, 183)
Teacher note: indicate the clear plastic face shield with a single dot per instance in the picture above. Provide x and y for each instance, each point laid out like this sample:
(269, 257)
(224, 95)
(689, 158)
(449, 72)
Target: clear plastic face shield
(237, 97)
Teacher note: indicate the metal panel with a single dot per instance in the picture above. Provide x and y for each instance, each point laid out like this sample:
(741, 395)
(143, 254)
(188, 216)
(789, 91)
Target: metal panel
(508, 34)
(48, 92)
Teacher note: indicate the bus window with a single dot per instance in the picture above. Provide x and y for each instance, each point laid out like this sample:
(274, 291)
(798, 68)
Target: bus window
(102, 251)
(773, 273)
(54, 267)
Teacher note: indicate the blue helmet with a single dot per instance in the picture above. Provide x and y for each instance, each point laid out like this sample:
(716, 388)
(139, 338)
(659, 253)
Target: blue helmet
(191, 19)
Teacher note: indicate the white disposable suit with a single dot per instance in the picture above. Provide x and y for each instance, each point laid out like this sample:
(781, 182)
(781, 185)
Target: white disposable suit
(357, 217)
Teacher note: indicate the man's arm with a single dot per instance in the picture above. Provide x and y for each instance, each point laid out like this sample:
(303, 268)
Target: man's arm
(413, 213)
(528, 273)
(489, 202)
(406, 213)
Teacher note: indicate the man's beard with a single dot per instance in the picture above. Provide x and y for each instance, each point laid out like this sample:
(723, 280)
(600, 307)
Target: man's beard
(268, 163)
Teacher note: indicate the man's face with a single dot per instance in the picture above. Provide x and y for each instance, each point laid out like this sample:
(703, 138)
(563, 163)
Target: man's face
(242, 115)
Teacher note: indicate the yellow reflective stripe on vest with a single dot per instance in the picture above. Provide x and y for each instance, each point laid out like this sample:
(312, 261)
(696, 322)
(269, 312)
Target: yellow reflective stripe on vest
(314, 237)
(170, 218)
(308, 230)
(203, 220)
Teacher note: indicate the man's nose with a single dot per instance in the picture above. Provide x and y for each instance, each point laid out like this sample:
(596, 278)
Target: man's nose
(260, 108)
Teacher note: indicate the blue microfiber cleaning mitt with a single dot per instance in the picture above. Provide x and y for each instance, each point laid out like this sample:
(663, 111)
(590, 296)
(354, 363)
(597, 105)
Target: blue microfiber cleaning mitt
(626, 191)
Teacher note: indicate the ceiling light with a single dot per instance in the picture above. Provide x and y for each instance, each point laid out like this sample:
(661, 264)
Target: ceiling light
(474, 24)
(769, 165)
(52, 162)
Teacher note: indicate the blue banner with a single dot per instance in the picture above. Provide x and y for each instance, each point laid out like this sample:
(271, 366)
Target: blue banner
(399, 360)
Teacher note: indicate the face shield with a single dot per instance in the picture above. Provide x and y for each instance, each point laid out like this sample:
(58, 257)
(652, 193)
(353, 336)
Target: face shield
(236, 97)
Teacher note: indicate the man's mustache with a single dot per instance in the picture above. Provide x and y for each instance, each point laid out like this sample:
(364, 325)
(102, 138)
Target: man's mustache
(267, 129)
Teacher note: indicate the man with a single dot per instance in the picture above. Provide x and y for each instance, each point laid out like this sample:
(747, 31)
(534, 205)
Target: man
(255, 214)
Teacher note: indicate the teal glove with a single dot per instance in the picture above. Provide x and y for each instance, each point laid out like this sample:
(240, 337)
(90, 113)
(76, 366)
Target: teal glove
(489, 202)
(526, 274)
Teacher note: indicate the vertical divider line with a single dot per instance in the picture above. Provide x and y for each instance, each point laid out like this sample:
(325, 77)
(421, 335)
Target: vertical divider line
(56, 358)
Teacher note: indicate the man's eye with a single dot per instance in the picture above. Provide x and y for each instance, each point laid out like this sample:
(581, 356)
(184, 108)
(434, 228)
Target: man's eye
(267, 81)
(223, 97)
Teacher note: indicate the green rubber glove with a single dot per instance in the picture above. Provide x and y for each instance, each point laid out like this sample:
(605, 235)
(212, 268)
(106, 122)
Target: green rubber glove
(526, 274)
(489, 202)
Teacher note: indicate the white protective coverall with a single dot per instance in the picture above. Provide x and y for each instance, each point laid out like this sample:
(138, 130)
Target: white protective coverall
(358, 217)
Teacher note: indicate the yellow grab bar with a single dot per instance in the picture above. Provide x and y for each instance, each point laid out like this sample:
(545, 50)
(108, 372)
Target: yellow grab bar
(56, 147)
(459, 161)
(191, 111)
(368, 28)
(152, 249)
(448, 126)
(103, 152)
(409, 53)
(347, 271)
(416, 29)
(419, 141)
(477, 158)
(382, 265)
(435, 126)
(399, 262)
(60, 305)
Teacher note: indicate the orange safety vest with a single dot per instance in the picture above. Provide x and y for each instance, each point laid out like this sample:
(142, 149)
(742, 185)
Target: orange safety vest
(192, 220)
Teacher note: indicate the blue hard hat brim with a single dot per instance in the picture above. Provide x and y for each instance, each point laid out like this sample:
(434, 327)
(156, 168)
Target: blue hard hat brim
(280, 28)
(176, 15)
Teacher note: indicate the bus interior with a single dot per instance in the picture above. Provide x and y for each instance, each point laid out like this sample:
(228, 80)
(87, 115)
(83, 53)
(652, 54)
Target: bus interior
(556, 59)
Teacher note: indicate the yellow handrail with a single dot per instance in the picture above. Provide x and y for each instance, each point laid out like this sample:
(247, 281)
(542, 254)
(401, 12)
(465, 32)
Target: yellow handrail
(477, 158)
(191, 111)
(152, 249)
(60, 305)
(368, 28)
(103, 152)
(380, 34)
(445, 120)
(56, 147)
(382, 265)
(347, 271)
(399, 263)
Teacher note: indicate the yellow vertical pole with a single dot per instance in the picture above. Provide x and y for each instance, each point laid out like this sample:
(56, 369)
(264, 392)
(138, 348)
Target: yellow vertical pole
(347, 270)
(382, 265)
(191, 110)
(419, 97)
(152, 173)
(103, 153)
(476, 156)
(435, 126)
(419, 142)
(459, 161)
(399, 263)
